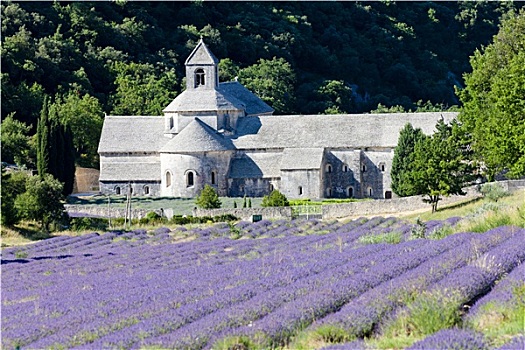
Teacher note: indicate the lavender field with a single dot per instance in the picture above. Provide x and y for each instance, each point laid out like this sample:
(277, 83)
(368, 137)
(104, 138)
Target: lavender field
(298, 284)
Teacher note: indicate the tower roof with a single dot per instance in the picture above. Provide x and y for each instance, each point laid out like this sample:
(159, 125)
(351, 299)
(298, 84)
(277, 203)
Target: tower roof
(201, 55)
(197, 137)
(204, 100)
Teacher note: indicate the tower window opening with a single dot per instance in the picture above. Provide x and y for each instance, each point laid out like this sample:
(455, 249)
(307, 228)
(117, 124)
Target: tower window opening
(345, 168)
(117, 190)
(200, 77)
(350, 192)
(213, 178)
(382, 166)
(146, 189)
(370, 192)
(363, 168)
(190, 179)
(168, 179)
(300, 190)
(328, 168)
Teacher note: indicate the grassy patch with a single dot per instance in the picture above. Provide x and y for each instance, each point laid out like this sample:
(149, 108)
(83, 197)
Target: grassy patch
(425, 315)
(501, 321)
(388, 237)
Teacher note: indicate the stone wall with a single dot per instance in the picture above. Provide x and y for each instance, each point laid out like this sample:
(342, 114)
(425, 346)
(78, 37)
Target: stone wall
(389, 206)
(246, 214)
(104, 212)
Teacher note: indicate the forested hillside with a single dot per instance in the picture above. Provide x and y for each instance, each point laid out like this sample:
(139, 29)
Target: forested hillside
(301, 57)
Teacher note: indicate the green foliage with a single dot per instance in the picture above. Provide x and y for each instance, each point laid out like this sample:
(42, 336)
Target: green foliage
(388, 237)
(208, 198)
(141, 89)
(15, 141)
(418, 230)
(493, 104)
(426, 314)
(42, 200)
(13, 184)
(438, 165)
(86, 223)
(402, 163)
(275, 199)
(55, 148)
(273, 81)
(493, 191)
(84, 116)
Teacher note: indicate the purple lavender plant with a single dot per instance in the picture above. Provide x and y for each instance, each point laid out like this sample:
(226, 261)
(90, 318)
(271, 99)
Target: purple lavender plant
(452, 339)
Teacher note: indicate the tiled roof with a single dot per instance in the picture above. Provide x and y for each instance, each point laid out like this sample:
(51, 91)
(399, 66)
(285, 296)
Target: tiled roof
(204, 100)
(132, 134)
(256, 165)
(197, 137)
(130, 171)
(302, 158)
(330, 131)
(254, 105)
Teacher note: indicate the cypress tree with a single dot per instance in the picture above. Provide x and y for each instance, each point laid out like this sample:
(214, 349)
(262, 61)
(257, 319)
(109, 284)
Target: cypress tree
(42, 137)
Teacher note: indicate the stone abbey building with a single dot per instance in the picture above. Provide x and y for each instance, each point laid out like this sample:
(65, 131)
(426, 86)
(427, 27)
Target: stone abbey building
(223, 135)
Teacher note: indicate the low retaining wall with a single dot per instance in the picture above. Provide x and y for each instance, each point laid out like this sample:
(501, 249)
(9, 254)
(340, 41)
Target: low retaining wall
(389, 206)
(247, 214)
(100, 211)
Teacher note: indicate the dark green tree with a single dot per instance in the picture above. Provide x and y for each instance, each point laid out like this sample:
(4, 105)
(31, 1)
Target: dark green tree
(208, 198)
(42, 200)
(441, 164)
(273, 81)
(84, 117)
(141, 89)
(42, 140)
(13, 184)
(402, 163)
(55, 152)
(494, 99)
(15, 141)
(275, 199)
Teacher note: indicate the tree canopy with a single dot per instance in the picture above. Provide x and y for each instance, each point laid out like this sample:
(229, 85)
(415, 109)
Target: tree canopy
(208, 198)
(494, 99)
(300, 57)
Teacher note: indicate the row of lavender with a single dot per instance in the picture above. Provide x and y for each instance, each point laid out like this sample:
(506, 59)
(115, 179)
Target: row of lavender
(131, 290)
(64, 276)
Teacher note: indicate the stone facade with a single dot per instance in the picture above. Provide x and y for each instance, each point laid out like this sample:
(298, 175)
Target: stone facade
(223, 135)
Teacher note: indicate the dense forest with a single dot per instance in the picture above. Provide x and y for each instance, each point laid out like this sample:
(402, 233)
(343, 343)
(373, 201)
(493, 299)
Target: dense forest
(124, 57)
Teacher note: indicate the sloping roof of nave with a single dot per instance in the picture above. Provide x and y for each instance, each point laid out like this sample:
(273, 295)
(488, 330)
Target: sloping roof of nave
(145, 134)
(331, 131)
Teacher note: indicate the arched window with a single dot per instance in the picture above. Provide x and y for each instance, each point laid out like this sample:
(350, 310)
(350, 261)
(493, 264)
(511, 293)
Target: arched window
(117, 190)
(213, 178)
(350, 192)
(190, 179)
(146, 189)
(328, 168)
(271, 187)
(363, 168)
(370, 192)
(200, 77)
(300, 190)
(382, 166)
(345, 168)
(168, 179)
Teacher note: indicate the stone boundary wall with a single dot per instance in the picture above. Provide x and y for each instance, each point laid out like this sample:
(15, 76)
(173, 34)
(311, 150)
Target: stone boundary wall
(390, 206)
(246, 214)
(330, 211)
(101, 211)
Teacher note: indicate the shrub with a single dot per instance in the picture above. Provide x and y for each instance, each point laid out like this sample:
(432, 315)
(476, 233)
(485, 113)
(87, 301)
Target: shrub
(493, 192)
(87, 223)
(208, 198)
(275, 199)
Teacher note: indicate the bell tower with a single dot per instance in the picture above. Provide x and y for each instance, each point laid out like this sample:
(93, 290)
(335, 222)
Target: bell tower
(202, 69)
